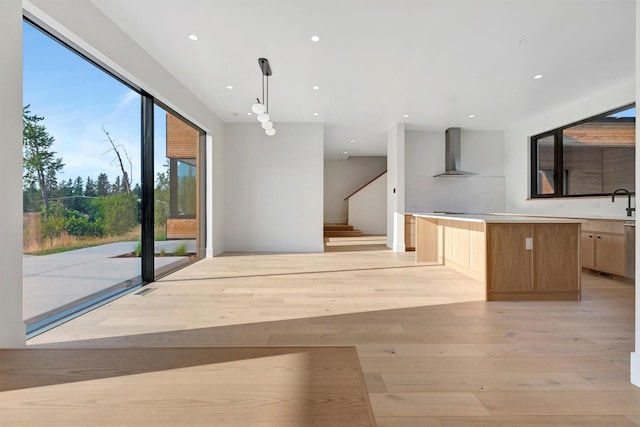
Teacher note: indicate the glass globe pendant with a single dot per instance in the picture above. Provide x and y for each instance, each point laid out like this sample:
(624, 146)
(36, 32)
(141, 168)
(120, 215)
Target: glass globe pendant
(258, 108)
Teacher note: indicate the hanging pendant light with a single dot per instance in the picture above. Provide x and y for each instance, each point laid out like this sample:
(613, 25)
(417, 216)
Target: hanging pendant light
(258, 108)
(261, 108)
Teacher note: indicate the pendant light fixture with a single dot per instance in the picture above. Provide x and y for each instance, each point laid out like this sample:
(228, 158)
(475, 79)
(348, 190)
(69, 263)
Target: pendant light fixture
(261, 108)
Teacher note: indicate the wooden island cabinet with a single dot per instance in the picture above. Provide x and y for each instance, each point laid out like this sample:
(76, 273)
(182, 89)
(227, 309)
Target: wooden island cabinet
(516, 258)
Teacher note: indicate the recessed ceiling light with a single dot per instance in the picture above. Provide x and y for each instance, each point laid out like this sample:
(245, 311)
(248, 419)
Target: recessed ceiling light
(316, 114)
(229, 87)
(315, 38)
(405, 116)
(193, 37)
(249, 114)
(471, 116)
(352, 140)
(346, 152)
(537, 76)
(316, 87)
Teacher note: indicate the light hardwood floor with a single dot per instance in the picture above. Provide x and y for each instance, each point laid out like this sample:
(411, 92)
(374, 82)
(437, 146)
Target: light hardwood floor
(433, 352)
(240, 387)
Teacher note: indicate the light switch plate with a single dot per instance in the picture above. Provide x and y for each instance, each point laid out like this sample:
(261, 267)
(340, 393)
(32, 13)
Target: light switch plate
(528, 243)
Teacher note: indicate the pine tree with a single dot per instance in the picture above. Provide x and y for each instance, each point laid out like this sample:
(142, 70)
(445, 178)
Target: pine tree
(39, 162)
(116, 188)
(102, 185)
(90, 188)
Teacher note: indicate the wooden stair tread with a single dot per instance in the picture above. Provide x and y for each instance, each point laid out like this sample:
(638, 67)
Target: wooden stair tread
(350, 233)
(341, 230)
(338, 227)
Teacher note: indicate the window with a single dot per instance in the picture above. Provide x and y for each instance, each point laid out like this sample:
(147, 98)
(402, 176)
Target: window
(97, 207)
(177, 146)
(593, 157)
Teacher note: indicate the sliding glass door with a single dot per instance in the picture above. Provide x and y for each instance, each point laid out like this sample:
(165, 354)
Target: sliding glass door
(176, 191)
(110, 189)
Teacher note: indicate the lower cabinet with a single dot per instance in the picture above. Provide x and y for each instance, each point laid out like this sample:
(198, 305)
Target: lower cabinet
(533, 262)
(409, 232)
(604, 246)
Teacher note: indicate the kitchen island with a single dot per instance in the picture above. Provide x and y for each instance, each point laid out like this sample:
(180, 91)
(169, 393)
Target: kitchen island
(516, 258)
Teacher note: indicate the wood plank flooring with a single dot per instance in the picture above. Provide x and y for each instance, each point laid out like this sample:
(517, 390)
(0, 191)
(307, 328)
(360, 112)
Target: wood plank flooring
(241, 387)
(433, 352)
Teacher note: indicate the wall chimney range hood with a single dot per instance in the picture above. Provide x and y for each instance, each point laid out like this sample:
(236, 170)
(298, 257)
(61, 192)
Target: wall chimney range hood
(452, 155)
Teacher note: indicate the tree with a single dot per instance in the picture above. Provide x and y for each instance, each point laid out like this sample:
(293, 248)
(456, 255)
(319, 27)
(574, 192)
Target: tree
(102, 185)
(116, 187)
(63, 193)
(31, 199)
(78, 186)
(90, 188)
(78, 202)
(126, 185)
(52, 221)
(161, 196)
(39, 162)
(120, 213)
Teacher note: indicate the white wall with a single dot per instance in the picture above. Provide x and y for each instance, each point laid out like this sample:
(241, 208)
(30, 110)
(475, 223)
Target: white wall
(344, 176)
(215, 194)
(635, 356)
(12, 330)
(85, 26)
(517, 156)
(482, 152)
(395, 187)
(368, 207)
(274, 188)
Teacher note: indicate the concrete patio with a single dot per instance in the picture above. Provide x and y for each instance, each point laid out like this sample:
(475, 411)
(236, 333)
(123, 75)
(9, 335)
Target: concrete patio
(54, 281)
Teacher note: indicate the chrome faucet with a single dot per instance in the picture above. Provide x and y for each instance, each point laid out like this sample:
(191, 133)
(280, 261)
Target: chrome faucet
(629, 209)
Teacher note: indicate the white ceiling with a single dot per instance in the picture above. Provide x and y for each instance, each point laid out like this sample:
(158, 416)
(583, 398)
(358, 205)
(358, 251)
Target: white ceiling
(438, 61)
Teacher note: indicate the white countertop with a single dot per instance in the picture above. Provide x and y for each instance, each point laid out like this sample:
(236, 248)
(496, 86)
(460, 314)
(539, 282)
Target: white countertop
(502, 218)
(601, 217)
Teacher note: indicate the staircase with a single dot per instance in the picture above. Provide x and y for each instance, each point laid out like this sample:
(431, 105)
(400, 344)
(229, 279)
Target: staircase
(340, 230)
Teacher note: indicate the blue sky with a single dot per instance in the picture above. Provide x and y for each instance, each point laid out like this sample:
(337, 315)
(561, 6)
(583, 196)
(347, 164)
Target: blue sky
(631, 112)
(77, 99)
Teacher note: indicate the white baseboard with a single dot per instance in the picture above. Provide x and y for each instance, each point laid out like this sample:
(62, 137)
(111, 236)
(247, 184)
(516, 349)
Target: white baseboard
(635, 369)
(398, 247)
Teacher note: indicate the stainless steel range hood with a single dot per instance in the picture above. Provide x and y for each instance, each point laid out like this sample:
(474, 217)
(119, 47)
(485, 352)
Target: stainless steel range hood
(452, 155)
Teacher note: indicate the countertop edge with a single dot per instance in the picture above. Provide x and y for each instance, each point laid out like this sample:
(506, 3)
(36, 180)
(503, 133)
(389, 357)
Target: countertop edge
(523, 219)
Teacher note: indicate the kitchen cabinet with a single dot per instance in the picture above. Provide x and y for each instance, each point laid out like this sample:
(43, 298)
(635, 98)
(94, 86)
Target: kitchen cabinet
(588, 244)
(604, 246)
(533, 261)
(509, 264)
(409, 232)
(516, 258)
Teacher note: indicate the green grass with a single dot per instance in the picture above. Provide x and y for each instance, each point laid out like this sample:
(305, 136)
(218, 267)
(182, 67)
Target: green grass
(58, 250)
(180, 250)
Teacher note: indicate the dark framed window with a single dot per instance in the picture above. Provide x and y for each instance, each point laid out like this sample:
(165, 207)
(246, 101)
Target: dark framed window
(592, 157)
(92, 188)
